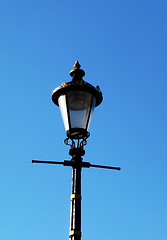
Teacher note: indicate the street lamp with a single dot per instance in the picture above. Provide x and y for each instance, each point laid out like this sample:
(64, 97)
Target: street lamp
(77, 100)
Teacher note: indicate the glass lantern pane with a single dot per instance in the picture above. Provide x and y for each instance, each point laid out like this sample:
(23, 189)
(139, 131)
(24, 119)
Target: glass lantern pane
(79, 104)
(91, 113)
(63, 109)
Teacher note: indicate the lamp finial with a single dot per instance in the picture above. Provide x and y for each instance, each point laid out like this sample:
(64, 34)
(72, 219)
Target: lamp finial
(77, 65)
(77, 73)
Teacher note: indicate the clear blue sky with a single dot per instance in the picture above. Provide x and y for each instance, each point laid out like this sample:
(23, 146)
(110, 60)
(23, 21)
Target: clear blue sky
(122, 46)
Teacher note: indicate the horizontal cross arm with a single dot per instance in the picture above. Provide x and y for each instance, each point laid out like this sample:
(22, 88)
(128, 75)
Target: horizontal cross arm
(106, 167)
(70, 163)
(47, 162)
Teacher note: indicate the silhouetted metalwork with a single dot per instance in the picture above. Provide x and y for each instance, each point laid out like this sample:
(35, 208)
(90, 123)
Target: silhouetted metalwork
(77, 100)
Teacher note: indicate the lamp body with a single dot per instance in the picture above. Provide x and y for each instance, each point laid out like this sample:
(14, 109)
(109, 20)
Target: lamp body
(77, 100)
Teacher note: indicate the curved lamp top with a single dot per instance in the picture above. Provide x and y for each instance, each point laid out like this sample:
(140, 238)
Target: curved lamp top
(77, 84)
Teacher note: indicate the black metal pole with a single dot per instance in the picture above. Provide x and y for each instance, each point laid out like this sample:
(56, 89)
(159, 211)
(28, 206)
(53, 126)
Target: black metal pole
(75, 215)
(76, 164)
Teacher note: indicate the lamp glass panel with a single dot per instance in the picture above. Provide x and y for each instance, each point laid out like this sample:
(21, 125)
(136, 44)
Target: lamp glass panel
(91, 113)
(63, 110)
(79, 104)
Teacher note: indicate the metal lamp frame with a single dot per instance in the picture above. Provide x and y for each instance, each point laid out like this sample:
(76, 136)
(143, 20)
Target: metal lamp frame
(76, 151)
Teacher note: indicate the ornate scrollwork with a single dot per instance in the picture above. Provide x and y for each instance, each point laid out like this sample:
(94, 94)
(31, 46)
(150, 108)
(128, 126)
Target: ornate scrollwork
(78, 143)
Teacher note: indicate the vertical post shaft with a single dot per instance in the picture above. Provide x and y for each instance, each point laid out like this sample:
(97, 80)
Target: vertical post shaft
(75, 216)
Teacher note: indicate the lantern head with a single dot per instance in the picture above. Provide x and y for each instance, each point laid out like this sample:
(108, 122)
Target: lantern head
(77, 100)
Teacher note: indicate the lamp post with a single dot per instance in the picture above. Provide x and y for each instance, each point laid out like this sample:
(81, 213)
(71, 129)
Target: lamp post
(77, 100)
